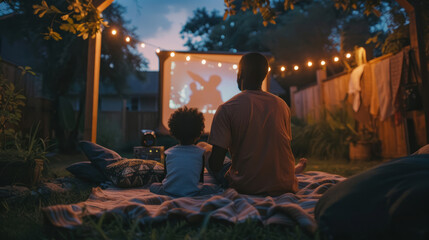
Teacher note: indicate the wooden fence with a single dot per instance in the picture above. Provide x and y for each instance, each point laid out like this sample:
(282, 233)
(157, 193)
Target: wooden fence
(330, 92)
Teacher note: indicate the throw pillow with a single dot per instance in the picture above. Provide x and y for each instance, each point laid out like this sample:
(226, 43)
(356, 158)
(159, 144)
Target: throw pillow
(100, 156)
(135, 172)
(86, 171)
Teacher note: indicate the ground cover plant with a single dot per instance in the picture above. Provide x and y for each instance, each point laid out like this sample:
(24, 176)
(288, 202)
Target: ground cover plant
(23, 219)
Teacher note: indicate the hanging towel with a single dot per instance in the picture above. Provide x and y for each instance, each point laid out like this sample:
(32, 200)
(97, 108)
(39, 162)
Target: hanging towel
(382, 76)
(375, 103)
(396, 63)
(354, 86)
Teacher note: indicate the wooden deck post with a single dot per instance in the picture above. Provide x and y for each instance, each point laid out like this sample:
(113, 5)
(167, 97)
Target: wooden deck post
(92, 84)
(413, 8)
(92, 79)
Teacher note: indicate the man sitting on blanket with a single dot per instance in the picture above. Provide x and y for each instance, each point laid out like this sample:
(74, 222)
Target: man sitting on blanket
(255, 127)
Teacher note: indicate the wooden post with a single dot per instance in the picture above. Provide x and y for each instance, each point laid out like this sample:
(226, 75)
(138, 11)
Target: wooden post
(413, 8)
(92, 84)
(92, 79)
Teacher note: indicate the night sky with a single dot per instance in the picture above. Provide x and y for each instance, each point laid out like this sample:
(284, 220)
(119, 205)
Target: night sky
(159, 22)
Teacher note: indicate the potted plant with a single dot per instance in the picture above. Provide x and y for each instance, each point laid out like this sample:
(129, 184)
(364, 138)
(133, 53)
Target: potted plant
(21, 156)
(361, 144)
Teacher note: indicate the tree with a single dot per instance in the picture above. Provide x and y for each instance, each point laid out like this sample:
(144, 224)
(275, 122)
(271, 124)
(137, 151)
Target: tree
(63, 63)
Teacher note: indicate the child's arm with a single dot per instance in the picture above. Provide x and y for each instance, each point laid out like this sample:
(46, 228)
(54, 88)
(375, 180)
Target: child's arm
(202, 173)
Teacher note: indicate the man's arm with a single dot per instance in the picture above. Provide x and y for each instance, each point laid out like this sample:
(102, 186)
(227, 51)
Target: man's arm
(216, 160)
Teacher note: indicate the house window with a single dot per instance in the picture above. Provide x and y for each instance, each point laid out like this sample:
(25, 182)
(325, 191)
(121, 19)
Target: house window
(134, 104)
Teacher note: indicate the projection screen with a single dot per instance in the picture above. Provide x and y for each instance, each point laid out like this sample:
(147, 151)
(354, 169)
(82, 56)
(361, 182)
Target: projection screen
(197, 80)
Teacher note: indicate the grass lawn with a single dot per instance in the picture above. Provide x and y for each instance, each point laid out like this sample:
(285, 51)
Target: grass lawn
(23, 219)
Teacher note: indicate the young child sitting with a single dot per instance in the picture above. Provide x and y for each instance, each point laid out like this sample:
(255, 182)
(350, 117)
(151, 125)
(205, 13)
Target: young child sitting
(184, 162)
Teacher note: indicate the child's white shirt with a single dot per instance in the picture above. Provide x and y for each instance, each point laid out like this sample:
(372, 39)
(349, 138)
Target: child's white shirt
(184, 165)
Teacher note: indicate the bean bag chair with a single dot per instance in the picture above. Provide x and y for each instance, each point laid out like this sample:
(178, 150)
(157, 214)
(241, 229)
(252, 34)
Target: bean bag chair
(390, 201)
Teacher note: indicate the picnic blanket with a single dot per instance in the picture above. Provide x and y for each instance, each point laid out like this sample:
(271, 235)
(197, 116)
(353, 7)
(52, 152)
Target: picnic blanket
(140, 204)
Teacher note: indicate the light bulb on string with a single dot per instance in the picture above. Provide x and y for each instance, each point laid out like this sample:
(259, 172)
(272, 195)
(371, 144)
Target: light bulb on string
(158, 50)
(323, 63)
(203, 61)
(234, 66)
(172, 54)
(114, 32)
(348, 55)
(283, 68)
(188, 58)
(143, 45)
(269, 69)
(336, 59)
(295, 67)
(309, 63)
(219, 64)
(127, 39)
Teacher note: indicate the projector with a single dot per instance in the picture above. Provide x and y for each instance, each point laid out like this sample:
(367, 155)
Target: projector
(148, 151)
(147, 138)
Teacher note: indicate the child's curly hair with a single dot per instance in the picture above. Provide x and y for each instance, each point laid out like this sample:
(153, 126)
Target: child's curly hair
(186, 125)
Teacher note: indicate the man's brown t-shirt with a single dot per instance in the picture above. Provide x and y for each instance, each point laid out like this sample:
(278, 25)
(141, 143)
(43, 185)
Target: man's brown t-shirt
(255, 127)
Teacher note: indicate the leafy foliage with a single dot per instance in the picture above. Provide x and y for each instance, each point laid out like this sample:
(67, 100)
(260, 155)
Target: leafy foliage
(11, 104)
(80, 17)
(269, 15)
(30, 146)
(325, 139)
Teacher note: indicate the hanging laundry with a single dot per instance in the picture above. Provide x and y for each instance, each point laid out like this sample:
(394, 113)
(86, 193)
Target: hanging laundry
(396, 63)
(382, 76)
(375, 102)
(354, 86)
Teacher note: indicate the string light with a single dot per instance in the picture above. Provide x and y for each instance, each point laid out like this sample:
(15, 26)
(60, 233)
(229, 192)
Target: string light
(114, 32)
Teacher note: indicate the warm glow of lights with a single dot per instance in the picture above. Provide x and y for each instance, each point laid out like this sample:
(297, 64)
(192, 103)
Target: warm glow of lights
(295, 67)
(283, 68)
(309, 63)
(219, 64)
(269, 69)
(158, 50)
(188, 58)
(114, 32)
(142, 45)
(127, 39)
(336, 59)
(203, 61)
(234, 66)
(348, 55)
(323, 63)
(172, 54)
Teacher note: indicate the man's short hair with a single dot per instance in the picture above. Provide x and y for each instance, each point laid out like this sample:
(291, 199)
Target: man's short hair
(255, 66)
(186, 125)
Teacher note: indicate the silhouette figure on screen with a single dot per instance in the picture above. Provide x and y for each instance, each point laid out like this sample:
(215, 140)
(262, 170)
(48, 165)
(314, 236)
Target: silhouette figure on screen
(209, 97)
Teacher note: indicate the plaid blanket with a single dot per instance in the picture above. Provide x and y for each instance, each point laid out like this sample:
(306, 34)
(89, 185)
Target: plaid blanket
(140, 204)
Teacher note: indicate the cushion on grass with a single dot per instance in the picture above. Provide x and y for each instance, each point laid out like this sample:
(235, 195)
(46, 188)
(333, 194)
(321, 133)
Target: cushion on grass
(98, 155)
(135, 172)
(86, 171)
(390, 201)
